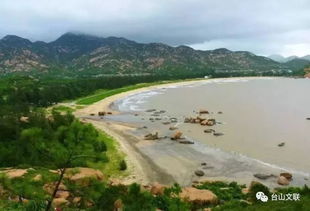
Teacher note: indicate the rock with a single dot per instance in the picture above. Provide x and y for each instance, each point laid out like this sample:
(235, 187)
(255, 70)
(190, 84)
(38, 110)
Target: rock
(308, 118)
(218, 134)
(209, 131)
(157, 118)
(177, 135)
(157, 189)
(14, 173)
(202, 111)
(200, 118)
(76, 200)
(203, 164)
(196, 196)
(38, 177)
(151, 136)
(187, 120)
(262, 176)
(197, 121)
(60, 202)
(283, 181)
(49, 187)
(151, 119)
(204, 122)
(92, 114)
(84, 173)
(150, 110)
(211, 122)
(162, 111)
(220, 112)
(24, 119)
(173, 128)
(281, 144)
(207, 167)
(287, 175)
(186, 142)
(118, 205)
(101, 113)
(174, 120)
(62, 194)
(166, 123)
(245, 190)
(199, 173)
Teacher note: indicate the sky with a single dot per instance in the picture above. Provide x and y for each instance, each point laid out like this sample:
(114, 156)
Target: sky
(263, 27)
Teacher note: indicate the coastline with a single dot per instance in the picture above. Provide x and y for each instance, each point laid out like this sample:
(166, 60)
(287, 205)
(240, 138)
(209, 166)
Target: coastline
(141, 168)
(144, 170)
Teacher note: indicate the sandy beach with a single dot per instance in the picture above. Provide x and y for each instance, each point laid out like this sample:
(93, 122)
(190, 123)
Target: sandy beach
(142, 169)
(167, 162)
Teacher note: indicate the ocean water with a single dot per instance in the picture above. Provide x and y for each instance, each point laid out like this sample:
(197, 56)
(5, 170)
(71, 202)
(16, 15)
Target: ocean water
(257, 115)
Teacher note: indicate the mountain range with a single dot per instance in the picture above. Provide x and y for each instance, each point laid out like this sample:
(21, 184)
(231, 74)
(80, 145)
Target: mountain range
(96, 55)
(282, 59)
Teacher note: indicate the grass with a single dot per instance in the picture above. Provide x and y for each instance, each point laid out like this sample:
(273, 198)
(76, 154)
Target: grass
(63, 109)
(101, 94)
(114, 155)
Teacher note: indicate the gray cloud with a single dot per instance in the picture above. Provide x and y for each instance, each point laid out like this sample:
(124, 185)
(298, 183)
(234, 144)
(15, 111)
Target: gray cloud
(263, 27)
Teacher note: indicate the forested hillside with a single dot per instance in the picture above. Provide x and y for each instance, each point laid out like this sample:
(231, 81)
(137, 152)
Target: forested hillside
(74, 54)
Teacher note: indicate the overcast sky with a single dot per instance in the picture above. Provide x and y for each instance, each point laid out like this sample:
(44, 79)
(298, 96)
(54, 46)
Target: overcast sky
(263, 27)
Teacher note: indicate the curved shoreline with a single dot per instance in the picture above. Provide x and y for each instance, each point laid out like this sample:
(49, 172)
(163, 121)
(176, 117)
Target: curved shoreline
(142, 166)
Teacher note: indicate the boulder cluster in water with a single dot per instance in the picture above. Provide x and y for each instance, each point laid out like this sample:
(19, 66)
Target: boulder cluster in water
(204, 121)
(177, 135)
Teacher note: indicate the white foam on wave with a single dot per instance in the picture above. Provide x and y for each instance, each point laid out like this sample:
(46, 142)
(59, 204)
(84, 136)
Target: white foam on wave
(133, 102)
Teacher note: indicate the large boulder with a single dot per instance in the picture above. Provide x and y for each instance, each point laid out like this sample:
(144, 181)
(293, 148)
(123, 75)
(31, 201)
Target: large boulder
(78, 174)
(62, 194)
(14, 173)
(60, 202)
(283, 181)
(197, 196)
(157, 189)
(177, 135)
(287, 175)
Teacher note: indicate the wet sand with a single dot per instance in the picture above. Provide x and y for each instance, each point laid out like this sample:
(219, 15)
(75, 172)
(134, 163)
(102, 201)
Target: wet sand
(166, 161)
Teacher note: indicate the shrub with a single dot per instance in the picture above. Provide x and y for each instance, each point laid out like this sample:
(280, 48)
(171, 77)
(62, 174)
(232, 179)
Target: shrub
(122, 165)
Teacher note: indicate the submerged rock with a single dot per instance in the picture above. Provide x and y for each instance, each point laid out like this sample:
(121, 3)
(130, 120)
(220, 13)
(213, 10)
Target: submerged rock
(263, 176)
(199, 173)
(173, 128)
(281, 144)
(186, 142)
(209, 131)
(151, 136)
(150, 110)
(218, 134)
